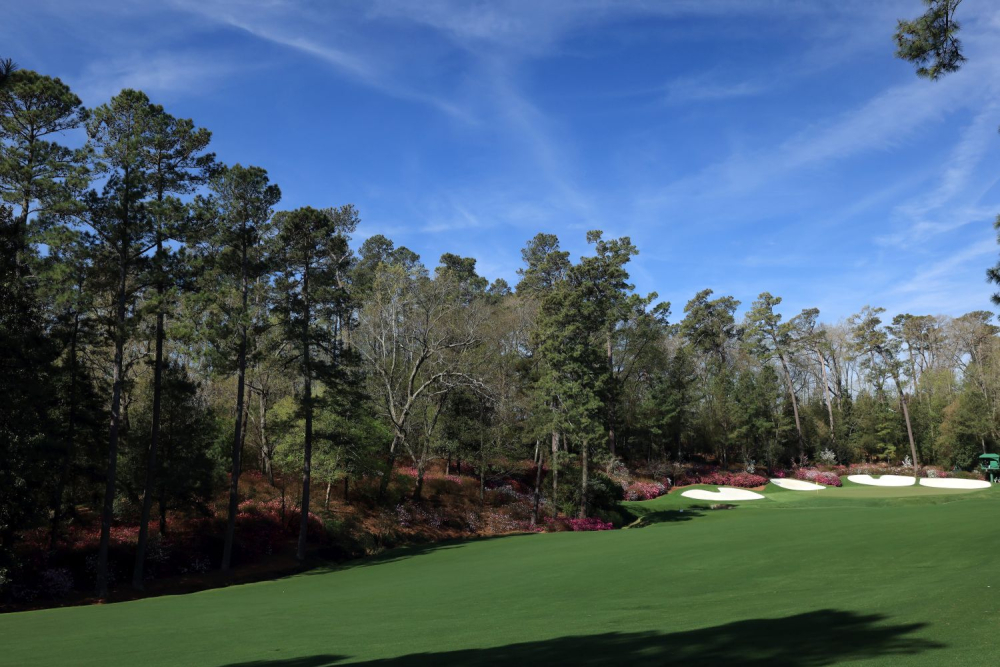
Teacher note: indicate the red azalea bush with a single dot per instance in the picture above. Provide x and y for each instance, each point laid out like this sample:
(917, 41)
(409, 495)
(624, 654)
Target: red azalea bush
(589, 523)
(644, 490)
(413, 473)
(818, 477)
(744, 480)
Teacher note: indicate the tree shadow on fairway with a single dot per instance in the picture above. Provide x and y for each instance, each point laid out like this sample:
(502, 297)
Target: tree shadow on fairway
(814, 639)
(404, 552)
(671, 516)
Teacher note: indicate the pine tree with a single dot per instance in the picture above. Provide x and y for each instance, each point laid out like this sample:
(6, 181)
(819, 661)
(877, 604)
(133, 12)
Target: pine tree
(314, 255)
(233, 253)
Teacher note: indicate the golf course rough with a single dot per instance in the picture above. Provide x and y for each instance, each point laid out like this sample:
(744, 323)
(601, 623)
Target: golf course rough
(857, 575)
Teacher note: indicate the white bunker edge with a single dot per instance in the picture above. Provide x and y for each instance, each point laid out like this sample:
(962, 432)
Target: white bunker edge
(947, 483)
(797, 485)
(884, 480)
(931, 482)
(724, 493)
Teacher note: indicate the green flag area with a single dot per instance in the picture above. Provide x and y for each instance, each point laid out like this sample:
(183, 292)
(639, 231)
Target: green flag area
(858, 575)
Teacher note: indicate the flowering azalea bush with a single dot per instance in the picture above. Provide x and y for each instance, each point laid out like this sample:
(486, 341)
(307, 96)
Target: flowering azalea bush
(743, 480)
(818, 477)
(413, 473)
(644, 490)
(576, 525)
(878, 469)
(589, 523)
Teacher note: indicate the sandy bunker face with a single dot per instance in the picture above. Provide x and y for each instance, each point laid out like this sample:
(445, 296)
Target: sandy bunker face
(724, 493)
(797, 485)
(884, 480)
(938, 483)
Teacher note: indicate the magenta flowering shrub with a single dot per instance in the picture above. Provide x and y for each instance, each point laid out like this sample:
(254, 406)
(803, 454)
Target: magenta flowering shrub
(818, 477)
(644, 490)
(744, 480)
(413, 473)
(589, 523)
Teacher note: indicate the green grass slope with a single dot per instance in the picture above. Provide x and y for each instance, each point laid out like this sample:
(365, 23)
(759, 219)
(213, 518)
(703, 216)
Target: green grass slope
(866, 576)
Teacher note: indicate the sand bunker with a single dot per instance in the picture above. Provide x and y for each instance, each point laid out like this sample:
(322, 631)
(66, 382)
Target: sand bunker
(724, 493)
(939, 483)
(797, 485)
(884, 480)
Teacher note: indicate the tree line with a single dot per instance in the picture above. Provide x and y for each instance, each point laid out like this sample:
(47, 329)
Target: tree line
(165, 326)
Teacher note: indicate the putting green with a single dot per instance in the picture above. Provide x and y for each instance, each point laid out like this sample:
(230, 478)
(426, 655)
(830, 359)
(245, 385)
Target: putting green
(868, 576)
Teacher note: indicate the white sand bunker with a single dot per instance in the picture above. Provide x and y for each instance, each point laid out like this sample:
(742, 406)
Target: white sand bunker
(939, 483)
(797, 485)
(724, 493)
(884, 480)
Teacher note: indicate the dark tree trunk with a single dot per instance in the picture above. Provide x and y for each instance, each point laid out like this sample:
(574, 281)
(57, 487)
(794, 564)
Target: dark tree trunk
(237, 455)
(163, 489)
(538, 486)
(418, 490)
(909, 429)
(300, 553)
(826, 395)
(612, 407)
(584, 473)
(390, 462)
(154, 436)
(118, 381)
(555, 472)
(265, 447)
(795, 408)
(70, 437)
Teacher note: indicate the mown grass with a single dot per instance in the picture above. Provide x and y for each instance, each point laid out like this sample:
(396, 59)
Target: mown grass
(867, 575)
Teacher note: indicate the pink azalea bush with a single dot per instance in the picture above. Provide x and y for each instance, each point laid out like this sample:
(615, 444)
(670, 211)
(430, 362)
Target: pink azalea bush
(644, 490)
(743, 480)
(818, 477)
(413, 473)
(589, 523)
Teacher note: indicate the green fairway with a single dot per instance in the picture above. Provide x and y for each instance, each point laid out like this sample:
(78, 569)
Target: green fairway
(863, 575)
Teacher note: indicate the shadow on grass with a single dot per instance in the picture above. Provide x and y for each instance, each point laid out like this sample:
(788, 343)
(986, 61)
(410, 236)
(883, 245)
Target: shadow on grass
(813, 639)
(671, 516)
(404, 552)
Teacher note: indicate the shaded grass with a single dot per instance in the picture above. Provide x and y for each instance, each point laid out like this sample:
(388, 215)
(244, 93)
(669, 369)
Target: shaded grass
(875, 579)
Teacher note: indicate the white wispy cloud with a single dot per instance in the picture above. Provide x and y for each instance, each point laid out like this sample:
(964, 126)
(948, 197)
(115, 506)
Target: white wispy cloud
(158, 74)
(709, 88)
(288, 24)
(950, 285)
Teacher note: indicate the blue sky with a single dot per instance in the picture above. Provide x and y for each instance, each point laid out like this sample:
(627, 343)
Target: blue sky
(744, 145)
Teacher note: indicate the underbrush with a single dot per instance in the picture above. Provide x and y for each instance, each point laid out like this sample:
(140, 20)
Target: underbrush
(189, 546)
